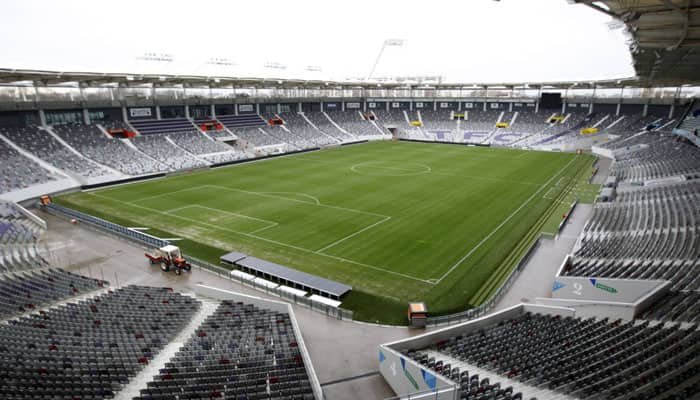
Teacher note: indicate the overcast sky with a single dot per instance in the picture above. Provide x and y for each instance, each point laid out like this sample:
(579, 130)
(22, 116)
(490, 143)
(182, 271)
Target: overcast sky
(465, 41)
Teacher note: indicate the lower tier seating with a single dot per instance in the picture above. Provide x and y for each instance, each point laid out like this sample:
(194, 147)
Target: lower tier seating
(89, 349)
(239, 352)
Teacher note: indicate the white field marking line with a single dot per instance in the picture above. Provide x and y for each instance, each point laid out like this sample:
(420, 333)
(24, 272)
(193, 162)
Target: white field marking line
(546, 195)
(427, 169)
(179, 208)
(271, 224)
(296, 200)
(556, 185)
(163, 194)
(315, 199)
(273, 241)
(264, 228)
(508, 218)
(319, 251)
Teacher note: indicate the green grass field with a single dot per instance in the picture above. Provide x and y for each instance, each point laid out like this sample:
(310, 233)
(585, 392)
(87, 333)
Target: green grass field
(398, 221)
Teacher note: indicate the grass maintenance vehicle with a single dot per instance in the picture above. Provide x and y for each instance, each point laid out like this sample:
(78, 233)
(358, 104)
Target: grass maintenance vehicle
(169, 257)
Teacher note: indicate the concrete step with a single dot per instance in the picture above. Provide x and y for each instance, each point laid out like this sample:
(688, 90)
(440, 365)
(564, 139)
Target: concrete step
(158, 362)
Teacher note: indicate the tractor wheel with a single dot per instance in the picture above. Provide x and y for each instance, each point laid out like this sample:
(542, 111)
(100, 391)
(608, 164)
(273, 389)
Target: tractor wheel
(164, 267)
(178, 271)
(188, 267)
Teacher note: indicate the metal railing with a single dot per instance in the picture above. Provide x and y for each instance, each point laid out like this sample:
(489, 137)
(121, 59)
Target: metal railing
(442, 393)
(225, 273)
(568, 214)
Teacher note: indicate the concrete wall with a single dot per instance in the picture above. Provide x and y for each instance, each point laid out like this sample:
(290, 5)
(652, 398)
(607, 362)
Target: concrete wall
(626, 310)
(587, 308)
(603, 289)
(409, 379)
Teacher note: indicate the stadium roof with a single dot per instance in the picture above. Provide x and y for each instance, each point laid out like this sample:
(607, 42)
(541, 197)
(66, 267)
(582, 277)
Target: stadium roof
(90, 79)
(326, 286)
(665, 35)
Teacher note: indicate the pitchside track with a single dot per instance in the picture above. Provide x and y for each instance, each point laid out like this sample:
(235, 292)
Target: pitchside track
(398, 221)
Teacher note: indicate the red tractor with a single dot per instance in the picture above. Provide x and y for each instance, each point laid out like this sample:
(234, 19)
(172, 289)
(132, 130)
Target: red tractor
(169, 257)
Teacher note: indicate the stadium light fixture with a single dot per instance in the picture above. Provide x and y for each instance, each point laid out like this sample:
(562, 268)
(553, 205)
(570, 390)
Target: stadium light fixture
(387, 42)
(220, 61)
(153, 56)
(275, 65)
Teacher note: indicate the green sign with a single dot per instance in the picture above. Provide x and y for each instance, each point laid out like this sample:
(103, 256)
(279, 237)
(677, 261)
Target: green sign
(603, 287)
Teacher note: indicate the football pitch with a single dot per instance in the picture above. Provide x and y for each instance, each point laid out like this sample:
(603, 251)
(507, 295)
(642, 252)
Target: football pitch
(399, 221)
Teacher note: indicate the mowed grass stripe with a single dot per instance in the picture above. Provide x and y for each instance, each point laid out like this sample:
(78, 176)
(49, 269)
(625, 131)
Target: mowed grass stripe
(218, 227)
(330, 217)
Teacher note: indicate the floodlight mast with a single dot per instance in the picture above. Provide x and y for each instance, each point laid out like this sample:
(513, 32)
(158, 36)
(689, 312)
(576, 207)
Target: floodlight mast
(387, 42)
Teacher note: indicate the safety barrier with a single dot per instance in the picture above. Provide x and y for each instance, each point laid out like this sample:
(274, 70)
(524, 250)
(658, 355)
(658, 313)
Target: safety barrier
(567, 215)
(111, 227)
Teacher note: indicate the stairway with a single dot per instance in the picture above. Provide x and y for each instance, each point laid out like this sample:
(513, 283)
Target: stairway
(140, 381)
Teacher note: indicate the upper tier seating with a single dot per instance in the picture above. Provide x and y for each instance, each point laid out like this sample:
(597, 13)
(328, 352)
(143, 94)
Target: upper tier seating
(257, 136)
(223, 133)
(286, 136)
(44, 146)
(570, 128)
(571, 125)
(18, 171)
(479, 121)
(150, 126)
(351, 121)
(240, 121)
(298, 125)
(322, 122)
(27, 291)
(89, 349)
(528, 121)
(584, 358)
(392, 117)
(159, 148)
(438, 120)
(92, 143)
(239, 352)
(628, 125)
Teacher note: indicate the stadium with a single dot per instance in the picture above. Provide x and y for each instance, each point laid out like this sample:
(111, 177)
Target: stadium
(493, 212)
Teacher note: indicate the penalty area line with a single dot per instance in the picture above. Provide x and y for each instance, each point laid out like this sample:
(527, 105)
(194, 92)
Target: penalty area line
(215, 227)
